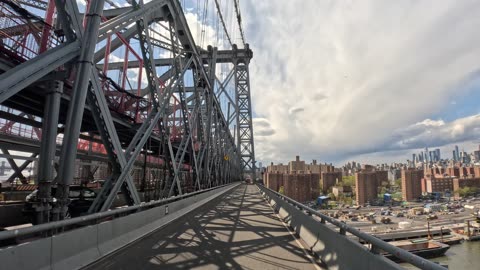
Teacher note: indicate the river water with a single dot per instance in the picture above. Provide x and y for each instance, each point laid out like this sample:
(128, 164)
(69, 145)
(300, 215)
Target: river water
(462, 256)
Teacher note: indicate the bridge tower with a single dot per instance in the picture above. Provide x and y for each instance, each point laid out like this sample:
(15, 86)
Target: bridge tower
(243, 104)
(241, 113)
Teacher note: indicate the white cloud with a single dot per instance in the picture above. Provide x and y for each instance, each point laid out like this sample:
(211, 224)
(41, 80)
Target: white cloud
(436, 133)
(262, 128)
(359, 71)
(209, 34)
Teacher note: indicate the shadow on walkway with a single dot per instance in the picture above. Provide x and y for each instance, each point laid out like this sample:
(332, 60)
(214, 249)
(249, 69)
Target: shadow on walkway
(235, 231)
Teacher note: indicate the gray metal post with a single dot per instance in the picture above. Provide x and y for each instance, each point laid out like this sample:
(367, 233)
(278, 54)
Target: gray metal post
(245, 143)
(48, 147)
(77, 106)
(211, 94)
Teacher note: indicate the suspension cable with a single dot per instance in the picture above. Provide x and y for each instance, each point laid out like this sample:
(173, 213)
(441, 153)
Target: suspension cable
(239, 20)
(204, 23)
(223, 22)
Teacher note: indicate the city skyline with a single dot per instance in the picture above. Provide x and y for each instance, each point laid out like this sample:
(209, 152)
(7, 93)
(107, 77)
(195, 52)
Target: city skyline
(446, 154)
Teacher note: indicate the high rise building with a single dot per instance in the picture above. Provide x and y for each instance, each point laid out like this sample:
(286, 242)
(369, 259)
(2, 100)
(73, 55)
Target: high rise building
(453, 171)
(457, 155)
(329, 179)
(367, 183)
(476, 155)
(437, 183)
(411, 184)
(296, 165)
(437, 154)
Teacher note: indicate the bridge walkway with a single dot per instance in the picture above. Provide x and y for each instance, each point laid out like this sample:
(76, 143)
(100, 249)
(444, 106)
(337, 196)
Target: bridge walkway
(238, 230)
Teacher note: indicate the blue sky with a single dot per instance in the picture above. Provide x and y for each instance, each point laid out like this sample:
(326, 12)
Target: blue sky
(463, 103)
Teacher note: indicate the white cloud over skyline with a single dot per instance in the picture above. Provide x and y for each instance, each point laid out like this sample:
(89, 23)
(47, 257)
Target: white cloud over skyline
(333, 80)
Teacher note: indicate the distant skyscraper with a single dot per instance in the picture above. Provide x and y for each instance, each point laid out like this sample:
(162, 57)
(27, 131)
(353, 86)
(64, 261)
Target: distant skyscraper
(414, 159)
(476, 154)
(457, 154)
(426, 155)
(437, 154)
(454, 155)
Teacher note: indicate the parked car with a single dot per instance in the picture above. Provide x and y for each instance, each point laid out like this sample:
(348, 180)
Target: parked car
(80, 199)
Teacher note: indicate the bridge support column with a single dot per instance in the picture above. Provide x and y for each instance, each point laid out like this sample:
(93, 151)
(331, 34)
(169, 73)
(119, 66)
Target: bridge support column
(244, 129)
(77, 106)
(48, 147)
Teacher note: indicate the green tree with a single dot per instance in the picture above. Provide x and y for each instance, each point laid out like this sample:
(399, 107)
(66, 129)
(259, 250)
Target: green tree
(348, 180)
(397, 196)
(467, 191)
(398, 183)
(281, 190)
(382, 191)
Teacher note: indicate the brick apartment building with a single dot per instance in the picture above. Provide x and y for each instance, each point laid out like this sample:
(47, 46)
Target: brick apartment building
(300, 186)
(273, 180)
(437, 183)
(367, 183)
(463, 171)
(411, 184)
(296, 165)
(329, 179)
(435, 170)
(277, 168)
(459, 183)
(294, 176)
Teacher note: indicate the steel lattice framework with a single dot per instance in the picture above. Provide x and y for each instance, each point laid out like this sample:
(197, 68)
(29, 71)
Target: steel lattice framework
(161, 118)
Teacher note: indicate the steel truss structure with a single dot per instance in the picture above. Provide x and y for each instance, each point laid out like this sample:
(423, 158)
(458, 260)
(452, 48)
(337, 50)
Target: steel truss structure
(154, 117)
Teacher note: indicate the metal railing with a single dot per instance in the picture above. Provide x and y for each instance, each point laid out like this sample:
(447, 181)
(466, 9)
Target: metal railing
(49, 229)
(24, 34)
(376, 244)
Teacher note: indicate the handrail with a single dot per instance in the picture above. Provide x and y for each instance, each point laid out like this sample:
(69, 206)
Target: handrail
(376, 243)
(4, 235)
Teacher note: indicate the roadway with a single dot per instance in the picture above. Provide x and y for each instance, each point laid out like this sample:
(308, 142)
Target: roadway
(238, 230)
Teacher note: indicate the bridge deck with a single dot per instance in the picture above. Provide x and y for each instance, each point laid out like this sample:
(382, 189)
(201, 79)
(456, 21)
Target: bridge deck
(238, 230)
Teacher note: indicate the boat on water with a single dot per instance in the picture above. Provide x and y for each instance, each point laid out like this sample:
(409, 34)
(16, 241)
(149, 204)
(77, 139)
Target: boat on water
(445, 239)
(470, 232)
(425, 249)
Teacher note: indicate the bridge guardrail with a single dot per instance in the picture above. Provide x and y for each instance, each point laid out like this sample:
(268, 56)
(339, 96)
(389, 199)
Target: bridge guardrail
(82, 246)
(51, 228)
(376, 243)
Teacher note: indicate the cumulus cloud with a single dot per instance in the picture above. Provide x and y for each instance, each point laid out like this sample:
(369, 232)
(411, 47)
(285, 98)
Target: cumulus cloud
(376, 67)
(295, 110)
(262, 128)
(436, 133)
